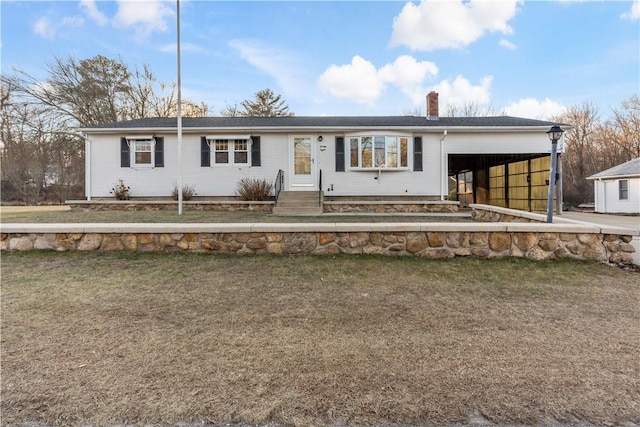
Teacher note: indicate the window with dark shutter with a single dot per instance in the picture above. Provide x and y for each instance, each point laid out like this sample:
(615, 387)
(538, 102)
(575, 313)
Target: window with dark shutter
(255, 151)
(205, 152)
(417, 153)
(339, 154)
(159, 152)
(125, 157)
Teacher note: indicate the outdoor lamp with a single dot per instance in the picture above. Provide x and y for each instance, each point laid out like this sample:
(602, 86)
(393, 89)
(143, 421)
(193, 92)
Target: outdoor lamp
(555, 133)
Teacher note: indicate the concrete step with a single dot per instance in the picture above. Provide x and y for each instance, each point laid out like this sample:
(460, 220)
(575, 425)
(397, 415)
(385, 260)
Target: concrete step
(298, 203)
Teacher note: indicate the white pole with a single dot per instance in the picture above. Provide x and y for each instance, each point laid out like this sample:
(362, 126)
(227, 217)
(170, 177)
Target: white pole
(179, 115)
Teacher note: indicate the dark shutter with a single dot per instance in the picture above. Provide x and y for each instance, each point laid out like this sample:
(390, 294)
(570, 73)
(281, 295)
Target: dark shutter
(417, 153)
(205, 152)
(125, 158)
(255, 151)
(159, 152)
(339, 153)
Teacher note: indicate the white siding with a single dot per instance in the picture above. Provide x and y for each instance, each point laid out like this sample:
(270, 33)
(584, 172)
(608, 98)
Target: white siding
(104, 164)
(497, 143)
(608, 200)
(216, 180)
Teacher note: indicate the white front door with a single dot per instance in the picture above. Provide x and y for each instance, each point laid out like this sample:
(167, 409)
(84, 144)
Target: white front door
(302, 162)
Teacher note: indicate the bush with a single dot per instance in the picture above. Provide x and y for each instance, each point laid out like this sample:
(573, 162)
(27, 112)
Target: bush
(188, 192)
(121, 191)
(255, 190)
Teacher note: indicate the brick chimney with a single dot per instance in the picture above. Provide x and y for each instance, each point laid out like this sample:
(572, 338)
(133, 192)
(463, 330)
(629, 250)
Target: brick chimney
(432, 105)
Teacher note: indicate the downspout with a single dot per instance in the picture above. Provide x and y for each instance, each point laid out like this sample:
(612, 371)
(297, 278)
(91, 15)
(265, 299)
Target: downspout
(87, 166)
(559, 190)
(443, 168)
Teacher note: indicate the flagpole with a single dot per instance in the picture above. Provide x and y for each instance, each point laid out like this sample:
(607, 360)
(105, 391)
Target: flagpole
(179, 114)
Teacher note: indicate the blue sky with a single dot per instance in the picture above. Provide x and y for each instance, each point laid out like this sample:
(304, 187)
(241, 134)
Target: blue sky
(527, 58)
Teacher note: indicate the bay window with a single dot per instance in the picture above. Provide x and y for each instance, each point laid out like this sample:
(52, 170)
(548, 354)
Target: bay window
(378, 152)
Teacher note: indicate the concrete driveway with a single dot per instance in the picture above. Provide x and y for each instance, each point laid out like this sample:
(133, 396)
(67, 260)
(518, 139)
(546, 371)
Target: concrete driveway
(624, 221)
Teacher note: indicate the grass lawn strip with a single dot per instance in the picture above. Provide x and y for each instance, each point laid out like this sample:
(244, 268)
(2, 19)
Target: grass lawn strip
(211, 217)
(158, 338)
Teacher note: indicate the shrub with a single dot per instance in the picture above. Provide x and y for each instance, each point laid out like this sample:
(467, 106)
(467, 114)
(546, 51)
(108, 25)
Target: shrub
(188, 192)
(251, 189)
(121, 191)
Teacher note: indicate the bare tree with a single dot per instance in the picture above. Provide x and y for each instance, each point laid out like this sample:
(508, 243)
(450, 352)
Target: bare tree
(91, 91)
(625, 130)
(582, 145)
(152, 98)
(28, 133)
(471, 109)
(231, 111)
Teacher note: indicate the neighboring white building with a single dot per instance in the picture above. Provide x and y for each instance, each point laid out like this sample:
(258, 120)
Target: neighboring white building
(617, 190)
(351, 156)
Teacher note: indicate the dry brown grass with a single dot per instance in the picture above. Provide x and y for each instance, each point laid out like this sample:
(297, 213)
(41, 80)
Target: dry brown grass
(166, 338)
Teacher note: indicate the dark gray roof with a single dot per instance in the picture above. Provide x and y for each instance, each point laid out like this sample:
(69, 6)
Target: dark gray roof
(630, 168)
(322, 122)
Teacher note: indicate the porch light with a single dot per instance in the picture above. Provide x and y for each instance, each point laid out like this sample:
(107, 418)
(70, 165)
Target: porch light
(555, 133)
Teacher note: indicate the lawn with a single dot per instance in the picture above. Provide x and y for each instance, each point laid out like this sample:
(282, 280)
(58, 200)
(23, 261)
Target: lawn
(121, 338)
(207, 217)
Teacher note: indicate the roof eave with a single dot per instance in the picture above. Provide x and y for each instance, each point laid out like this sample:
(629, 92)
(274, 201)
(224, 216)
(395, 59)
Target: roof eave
(273, 129)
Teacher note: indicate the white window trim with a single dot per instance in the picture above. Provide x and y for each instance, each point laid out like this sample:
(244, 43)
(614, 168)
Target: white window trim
(373, 134)
(620, 181)
(231, 139)
(132, 151)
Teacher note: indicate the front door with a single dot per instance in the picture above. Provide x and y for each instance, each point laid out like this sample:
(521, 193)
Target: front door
(302, 162)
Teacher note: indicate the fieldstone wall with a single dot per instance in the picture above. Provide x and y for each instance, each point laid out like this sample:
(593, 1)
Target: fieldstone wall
(133, 206)
(412, 206)
(390, 207)
(535, 245)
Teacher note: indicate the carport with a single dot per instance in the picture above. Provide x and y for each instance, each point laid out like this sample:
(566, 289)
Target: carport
(516, 181)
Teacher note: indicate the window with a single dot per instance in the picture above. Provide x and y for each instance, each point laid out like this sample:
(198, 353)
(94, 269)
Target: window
(229, 151)
(623, 189)
(142, 152)
(378, 152)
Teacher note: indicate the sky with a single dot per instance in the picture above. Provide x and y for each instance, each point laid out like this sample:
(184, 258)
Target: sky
(523, 58)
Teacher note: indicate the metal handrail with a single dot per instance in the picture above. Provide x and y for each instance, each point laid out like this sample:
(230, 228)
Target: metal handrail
(279, 184)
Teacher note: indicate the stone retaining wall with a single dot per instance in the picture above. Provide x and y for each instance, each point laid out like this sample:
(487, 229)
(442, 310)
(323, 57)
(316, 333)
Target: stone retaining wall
(144, 205)
(427, 240)
(400, 206)
(390, 207)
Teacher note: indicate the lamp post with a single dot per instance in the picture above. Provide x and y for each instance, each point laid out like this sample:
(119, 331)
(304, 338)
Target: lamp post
(555, 133)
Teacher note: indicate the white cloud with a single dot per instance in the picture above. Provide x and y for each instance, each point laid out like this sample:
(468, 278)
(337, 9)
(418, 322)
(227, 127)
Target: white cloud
(461, 92)
(358, 81)
(534, 109)
(45, 28)
(507, 44)
(634, 13)
(91, 10)
(409, 75)
(361, 82)
(147, 16)
(437, 24)
(279, 64)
